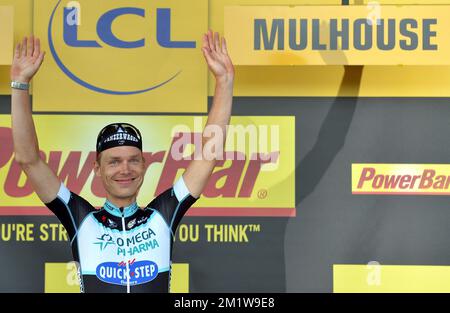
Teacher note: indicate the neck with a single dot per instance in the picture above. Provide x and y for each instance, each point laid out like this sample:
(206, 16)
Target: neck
(121, 202)
(120, 211)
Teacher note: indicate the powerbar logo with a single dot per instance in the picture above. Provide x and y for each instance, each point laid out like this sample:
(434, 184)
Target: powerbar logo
(76, 173)
(140, 272)
(252, 177)
(424, 179)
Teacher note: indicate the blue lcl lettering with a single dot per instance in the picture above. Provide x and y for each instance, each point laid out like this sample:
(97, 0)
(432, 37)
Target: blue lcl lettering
(105, 33)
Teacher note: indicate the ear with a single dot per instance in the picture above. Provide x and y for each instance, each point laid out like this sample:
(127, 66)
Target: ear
(97, 168)
(143, 163)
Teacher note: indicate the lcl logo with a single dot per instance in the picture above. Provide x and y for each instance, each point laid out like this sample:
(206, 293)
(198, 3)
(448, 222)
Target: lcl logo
(106, 36)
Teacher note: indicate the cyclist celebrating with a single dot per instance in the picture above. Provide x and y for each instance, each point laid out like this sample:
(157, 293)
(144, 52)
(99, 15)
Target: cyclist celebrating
(121, 247)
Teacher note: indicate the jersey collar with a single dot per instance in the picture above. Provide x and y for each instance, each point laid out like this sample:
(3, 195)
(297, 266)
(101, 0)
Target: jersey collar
(127, 211)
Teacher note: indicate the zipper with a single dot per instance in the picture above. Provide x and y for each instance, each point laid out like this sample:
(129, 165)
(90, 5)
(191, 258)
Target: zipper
(124, 237)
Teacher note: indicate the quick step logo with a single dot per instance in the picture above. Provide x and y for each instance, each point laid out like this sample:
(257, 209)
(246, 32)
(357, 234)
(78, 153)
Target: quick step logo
(139, 272)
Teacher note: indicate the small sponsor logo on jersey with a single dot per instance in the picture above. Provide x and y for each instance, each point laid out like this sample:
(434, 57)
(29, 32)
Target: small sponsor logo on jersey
(112, 224)
(131, 223)
(104, 241)
(139, 272)
(142, 219)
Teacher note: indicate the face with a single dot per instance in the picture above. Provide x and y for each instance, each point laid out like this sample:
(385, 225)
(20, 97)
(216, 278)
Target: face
(122, 171)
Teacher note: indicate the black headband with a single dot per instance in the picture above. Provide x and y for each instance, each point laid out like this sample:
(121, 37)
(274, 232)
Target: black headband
(118, 134)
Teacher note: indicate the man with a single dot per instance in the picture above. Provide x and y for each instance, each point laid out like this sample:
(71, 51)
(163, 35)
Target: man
(121, 247)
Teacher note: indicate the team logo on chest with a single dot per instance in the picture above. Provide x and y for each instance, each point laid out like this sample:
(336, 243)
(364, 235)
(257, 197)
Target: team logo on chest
(104, 241)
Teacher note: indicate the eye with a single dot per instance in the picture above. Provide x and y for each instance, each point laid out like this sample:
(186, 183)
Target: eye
(114, 162)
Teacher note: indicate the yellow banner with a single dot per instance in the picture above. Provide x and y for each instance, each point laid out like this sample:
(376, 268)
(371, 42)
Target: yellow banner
(6, 34)
(402, 179)
(323, 35)
(376, 278)
(63, 278)
(121, 56)
(310, 81)
(256, 178)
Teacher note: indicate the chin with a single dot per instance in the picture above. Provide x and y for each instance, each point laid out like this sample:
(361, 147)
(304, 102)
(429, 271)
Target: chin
(122, 193)
(125, 194)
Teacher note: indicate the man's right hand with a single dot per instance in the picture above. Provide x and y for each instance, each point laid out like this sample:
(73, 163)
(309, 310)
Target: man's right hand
(27, 60)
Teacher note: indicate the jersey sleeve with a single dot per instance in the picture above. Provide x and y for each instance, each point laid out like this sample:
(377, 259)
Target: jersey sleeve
(173, 203)
(70, 209)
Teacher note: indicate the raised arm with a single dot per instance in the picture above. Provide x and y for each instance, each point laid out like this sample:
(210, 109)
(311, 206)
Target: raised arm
(27, 60)
(219, 63)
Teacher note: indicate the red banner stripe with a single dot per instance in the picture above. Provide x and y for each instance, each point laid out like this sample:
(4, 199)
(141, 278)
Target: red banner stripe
(270, 212)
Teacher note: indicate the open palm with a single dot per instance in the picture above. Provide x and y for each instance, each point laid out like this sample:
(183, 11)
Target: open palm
(27, 59)
(215, 51)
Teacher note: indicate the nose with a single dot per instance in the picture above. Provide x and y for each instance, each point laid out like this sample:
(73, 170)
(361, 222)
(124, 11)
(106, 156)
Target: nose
(125, 167)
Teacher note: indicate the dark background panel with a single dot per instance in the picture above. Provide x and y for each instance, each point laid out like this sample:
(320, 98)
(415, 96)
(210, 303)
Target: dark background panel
(332, 226)
(23, 263)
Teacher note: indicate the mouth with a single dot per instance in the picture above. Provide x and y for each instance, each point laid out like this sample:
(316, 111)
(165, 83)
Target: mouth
(125, 181)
